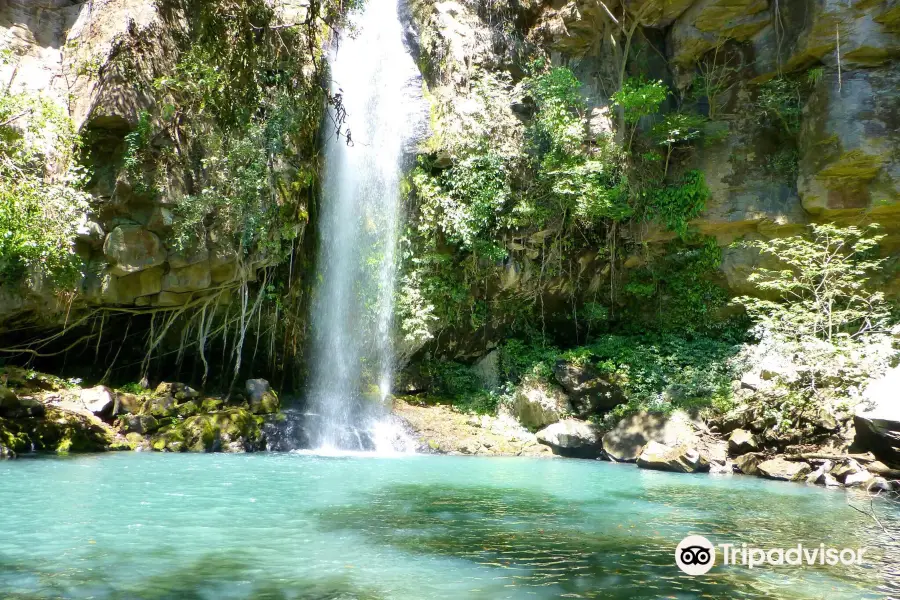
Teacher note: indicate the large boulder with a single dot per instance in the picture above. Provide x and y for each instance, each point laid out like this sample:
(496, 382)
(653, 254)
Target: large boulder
(161, 407)
(877, 419)
(131, 248)
(15, 407)
(785, 470)
(748, 464)
(263, 400)
(188, 279)
(138, 423)
(573, 438)
(845, 468)
(537, 404)
(588, 392)
(625, 441)
(235, 430)
(99, 400)
(680, 459)
(9, 402)
(742, 441)
(138, 285)
(128, 403)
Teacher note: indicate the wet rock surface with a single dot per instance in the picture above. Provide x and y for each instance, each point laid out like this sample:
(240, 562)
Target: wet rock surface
(680, 459)
(441, 429)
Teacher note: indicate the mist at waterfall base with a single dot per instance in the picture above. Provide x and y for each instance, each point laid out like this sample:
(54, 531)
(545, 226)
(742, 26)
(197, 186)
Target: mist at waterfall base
(351, 354)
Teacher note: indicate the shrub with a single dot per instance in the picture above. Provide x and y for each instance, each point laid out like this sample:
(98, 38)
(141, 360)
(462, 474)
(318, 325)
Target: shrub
(821, 315)
(42, 202)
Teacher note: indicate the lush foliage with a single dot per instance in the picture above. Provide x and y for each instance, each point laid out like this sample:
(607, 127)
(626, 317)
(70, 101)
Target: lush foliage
(456, 383)
(674, 205)
(242, 108)
(657, 373)
(639, 98)
(560, 195)
(820, 318)
(42, 204)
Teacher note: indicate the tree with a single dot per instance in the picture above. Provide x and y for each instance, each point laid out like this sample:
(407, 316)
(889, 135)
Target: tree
(822, 313)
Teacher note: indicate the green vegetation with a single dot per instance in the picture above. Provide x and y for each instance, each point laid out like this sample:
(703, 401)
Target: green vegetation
(820, 317)
(42, 203)
(556, 196)
(236, 122)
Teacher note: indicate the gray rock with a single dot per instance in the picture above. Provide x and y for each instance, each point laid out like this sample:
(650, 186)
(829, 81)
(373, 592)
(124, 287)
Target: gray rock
(588, 392)
(829, 481)
(742, 441)
(138, 423)
(748, 464)
(725, 467)
(31, 407)
(98, 400)
(879, 484)
(625, 441)
(263, 400)
(131, 248)
(846, 468)
(738, 418)
(537, 404)
(572, 438)
(680, 459)
(785, 470)
(858, 479)
(818, 476)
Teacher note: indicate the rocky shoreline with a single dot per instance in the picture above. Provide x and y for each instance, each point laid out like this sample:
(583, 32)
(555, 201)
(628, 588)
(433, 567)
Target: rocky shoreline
(765, 434)
(676, 442)
(43, 414)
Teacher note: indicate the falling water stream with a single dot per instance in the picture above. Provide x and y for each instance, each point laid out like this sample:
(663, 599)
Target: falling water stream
(352, 356)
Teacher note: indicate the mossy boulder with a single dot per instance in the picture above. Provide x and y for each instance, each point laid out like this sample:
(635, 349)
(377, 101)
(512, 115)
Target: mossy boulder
(64, 431)
(187, 409)
(538, 403)
(12, 439)
(129, 403)
(139, 424)
(161, 407)
(14, 407)
(9, 402)
(263, 399)
(208, 405)
(226, 430)
(171, 439)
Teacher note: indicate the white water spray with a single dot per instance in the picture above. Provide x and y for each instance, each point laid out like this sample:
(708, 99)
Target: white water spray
(352, 355)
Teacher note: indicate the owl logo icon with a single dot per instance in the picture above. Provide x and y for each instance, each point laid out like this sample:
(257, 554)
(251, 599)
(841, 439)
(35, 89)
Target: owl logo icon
(695, 555)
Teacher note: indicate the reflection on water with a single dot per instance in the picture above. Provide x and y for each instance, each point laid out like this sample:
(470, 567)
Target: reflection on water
(539, 541)
(283, 526)
(212, 576)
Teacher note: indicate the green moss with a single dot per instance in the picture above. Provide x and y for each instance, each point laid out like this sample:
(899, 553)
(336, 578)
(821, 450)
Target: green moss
(855, 164)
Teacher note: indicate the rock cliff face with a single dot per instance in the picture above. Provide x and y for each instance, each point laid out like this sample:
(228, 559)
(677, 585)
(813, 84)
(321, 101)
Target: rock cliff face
(833, 159)
(198, 133)
(105, 62)
(108, 64)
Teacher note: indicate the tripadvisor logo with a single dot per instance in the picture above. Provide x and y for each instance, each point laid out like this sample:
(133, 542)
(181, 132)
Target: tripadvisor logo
(696, 555)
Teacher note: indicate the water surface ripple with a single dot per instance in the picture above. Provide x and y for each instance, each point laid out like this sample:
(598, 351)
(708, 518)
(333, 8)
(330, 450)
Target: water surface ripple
(286, 526)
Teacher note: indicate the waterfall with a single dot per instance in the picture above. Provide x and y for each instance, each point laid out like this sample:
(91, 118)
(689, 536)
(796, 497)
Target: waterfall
(352, 355)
